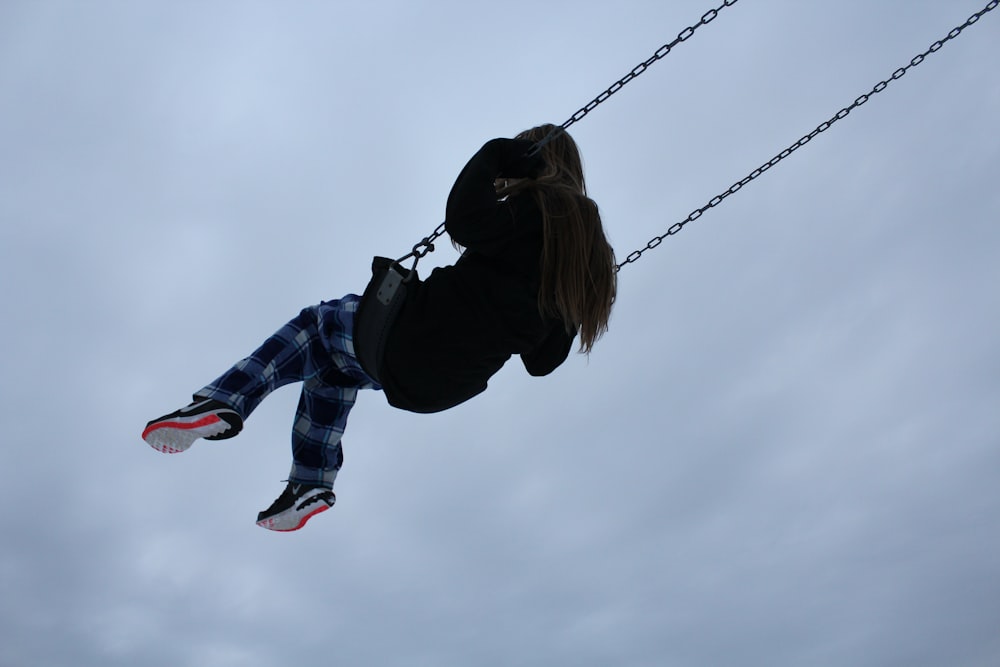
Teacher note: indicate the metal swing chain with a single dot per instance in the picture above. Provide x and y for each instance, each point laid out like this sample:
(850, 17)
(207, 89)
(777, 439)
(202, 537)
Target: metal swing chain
(822, 127)
(421, 248)
(659, 54)
(426, 244)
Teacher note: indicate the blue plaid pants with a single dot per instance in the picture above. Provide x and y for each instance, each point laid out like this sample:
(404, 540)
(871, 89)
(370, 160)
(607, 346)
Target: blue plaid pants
(317, 349)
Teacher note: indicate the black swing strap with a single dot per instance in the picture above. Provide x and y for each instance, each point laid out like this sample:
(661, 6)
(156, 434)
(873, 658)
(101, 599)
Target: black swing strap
(380, 304)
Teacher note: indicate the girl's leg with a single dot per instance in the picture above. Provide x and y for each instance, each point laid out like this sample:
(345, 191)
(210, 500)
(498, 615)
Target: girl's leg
(317, 343)
(327, 398)
(324, 404)
(291, 354)
(317, 451)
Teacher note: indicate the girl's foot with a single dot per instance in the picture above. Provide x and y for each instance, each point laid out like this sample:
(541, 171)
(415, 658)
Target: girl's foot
(204, 418)
(296, 505)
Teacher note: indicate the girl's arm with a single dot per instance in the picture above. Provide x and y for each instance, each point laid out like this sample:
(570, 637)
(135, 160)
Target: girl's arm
(473, 217)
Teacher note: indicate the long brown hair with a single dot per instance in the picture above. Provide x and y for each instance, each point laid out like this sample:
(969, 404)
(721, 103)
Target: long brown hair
(579, 278)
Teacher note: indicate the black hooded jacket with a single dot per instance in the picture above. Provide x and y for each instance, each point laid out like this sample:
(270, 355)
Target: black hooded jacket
(460, 325)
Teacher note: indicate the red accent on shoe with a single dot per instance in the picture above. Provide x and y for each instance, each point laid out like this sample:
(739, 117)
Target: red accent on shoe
(263, 524)
(184, 426)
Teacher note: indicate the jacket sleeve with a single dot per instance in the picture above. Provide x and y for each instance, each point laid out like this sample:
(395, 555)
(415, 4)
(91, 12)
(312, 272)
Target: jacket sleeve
(550, 354)
(474, 217)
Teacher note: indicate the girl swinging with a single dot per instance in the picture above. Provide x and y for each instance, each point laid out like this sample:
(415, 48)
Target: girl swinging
(536, 271)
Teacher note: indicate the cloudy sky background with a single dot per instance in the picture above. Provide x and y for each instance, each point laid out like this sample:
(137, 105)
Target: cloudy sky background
(785, 452)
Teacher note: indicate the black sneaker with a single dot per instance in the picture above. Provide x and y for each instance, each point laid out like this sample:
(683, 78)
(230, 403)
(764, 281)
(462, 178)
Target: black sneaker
(204, 418)
(297, 504)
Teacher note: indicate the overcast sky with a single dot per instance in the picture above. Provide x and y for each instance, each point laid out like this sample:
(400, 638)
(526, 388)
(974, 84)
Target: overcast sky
(785, 452)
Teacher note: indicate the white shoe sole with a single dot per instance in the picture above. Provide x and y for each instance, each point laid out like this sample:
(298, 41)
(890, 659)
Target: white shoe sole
(176, 434)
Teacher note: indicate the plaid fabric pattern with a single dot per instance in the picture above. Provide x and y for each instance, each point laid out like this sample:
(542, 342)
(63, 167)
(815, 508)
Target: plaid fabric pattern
(317, 349)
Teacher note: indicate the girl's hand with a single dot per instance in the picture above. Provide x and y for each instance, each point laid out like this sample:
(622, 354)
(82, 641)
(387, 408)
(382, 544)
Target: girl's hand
(517, 163)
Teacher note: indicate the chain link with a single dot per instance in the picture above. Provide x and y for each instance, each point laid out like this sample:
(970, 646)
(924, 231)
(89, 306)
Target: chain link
(822, 127)
(422, 247)
(659, 54)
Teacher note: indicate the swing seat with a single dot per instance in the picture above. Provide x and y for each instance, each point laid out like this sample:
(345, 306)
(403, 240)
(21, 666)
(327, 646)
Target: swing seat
(380, 304)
